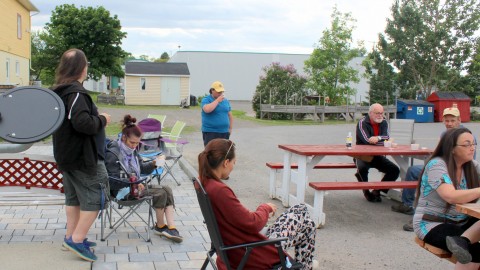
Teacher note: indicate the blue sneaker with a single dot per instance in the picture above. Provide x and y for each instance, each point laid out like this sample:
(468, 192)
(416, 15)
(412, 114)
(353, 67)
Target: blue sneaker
(85, 241)
(81, 249)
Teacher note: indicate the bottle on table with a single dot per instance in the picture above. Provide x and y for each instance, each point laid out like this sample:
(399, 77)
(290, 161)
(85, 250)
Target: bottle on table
(348, 141)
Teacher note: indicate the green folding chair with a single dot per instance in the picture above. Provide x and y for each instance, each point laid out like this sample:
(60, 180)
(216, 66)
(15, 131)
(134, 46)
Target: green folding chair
(172, 148)
(159, 117)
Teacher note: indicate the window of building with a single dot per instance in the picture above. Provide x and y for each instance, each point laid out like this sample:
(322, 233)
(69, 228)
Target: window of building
(19, 26)
(17, 68)
(143, 82)
(7, 69)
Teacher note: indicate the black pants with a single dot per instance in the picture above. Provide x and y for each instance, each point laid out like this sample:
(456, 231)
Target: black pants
(208, 136)
(438, 235)
(380, 163)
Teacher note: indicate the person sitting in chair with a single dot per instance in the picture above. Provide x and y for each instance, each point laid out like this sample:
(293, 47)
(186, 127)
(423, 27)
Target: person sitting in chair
(121, 157)
(238, 225)
(373, 130)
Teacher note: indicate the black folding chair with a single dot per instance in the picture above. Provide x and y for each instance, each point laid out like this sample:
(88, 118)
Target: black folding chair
(132, 205)
(217, 243)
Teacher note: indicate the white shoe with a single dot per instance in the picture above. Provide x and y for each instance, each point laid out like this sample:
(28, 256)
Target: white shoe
(315, 265)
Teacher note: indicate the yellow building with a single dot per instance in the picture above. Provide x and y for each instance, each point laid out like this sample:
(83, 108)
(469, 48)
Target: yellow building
(15, 51)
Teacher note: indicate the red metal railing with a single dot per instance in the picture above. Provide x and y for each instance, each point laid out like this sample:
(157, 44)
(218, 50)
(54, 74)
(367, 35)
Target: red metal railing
(29, 173)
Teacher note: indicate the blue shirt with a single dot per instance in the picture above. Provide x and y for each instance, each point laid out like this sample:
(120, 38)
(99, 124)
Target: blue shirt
(217, 120)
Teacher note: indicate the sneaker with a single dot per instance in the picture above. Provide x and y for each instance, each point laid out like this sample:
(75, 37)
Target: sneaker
(159, 231)
(376, 196)
(173, 235)
(82, 250)
(408, 226)
(85, 241)
(459, 248)
(404, 209)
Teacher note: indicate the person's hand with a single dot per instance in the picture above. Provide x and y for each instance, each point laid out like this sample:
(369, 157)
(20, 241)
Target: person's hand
(141, 187)
(107, 116)
(373, 140)
(274, 209)
(220, 98)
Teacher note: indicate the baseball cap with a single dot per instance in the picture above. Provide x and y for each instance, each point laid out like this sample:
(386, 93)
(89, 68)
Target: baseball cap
(451, 111)
(218, 86)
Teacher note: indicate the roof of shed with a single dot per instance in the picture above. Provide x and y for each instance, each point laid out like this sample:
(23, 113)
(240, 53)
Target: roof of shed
(149, 68)
(415, 102)
(451, 95)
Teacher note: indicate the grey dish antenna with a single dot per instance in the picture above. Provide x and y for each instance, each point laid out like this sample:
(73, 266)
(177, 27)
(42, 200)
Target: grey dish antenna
(29, 114)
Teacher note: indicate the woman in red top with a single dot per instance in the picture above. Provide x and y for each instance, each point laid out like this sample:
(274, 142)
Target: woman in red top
(238, 225)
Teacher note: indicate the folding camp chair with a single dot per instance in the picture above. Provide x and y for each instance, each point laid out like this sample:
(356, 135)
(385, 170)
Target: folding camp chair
(132, 206)
(149, 147)
(220, 248)
(159, 117)
(172, 147)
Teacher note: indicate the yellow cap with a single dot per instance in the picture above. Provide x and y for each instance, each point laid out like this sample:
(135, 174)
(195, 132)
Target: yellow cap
(218, 86)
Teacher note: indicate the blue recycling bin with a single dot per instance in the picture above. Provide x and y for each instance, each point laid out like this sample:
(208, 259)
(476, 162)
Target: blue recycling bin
(419, 110)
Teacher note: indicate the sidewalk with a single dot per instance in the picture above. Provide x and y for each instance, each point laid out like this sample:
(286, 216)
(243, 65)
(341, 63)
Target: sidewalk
(31, 236)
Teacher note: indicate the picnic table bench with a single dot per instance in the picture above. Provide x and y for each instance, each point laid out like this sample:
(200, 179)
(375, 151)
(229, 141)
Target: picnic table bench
(321, 187)
(111, 99)
(277, 167)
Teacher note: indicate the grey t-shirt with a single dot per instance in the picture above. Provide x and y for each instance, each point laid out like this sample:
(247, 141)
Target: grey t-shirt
(429, 202)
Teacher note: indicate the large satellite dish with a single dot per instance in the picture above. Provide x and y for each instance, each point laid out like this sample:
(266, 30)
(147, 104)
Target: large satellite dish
(29, 114)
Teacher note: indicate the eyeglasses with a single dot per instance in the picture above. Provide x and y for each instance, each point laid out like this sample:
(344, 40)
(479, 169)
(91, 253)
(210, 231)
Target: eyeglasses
(230, 148)
(467, 145)
(378, 113)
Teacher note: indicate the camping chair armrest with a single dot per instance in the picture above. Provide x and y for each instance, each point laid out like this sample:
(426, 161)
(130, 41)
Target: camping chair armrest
(126, 181)
(183, 142)
(257, 243)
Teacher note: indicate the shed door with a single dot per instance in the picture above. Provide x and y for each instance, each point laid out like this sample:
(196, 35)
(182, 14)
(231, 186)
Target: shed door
(170, 91)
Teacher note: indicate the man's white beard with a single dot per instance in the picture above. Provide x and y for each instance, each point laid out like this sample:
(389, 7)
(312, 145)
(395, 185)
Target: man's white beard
(378, 121)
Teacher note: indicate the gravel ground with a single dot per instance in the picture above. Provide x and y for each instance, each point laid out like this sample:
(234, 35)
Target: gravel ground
(357, 234)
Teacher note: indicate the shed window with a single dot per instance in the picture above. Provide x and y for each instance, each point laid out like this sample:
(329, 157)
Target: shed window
(19, 26)
(143, 83)
(17, 68)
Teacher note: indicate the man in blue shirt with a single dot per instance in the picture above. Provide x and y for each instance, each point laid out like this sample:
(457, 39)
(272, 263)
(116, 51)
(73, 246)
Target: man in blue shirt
(217, 119)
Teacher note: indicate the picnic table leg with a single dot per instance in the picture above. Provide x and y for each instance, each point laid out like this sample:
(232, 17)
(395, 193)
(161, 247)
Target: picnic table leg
(304, 167)
(403, 164)
(318, 214)
(286, 178)
(273, 183)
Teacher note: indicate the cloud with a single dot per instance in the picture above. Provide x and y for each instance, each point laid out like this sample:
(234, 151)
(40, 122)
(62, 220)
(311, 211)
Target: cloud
(281, 26)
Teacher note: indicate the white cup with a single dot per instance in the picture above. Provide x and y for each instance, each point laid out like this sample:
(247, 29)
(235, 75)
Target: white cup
(414, 146)
(387, 144)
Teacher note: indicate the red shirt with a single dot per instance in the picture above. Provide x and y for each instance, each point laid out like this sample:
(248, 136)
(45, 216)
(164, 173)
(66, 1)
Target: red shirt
(376, 127)
(239, 225)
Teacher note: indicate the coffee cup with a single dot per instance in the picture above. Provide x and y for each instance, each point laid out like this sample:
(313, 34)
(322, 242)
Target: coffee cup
(387, 144)
(414, 146)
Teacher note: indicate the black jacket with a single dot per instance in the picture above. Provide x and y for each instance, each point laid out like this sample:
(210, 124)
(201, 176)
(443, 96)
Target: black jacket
(365, 131)
(75, 142)
(112, 158)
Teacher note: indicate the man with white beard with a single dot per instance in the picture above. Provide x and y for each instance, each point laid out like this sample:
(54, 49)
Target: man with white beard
(373, 130)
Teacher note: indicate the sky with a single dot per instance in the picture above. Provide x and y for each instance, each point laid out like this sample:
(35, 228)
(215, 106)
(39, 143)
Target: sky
(268, 26)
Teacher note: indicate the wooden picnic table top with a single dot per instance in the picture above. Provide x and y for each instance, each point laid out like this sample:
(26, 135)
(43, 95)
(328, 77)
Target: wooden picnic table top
(471, 209)
(357, 150)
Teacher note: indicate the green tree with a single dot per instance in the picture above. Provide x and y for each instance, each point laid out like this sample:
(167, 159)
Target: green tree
(280, 85)
(40, 60)
(90, 29)
(327, 67)
(429, 42)
(382, 79)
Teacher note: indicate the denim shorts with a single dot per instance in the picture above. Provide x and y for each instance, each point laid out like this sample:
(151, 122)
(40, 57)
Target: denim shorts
(82, 189)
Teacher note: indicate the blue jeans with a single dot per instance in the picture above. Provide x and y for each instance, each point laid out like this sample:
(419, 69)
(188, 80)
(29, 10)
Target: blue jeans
(408, 194)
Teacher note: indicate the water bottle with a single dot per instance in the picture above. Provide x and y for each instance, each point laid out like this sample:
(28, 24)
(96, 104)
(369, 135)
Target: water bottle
(133, 187)
(348, 141)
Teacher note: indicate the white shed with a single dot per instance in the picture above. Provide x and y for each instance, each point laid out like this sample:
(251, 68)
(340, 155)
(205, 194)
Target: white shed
(149, 83)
